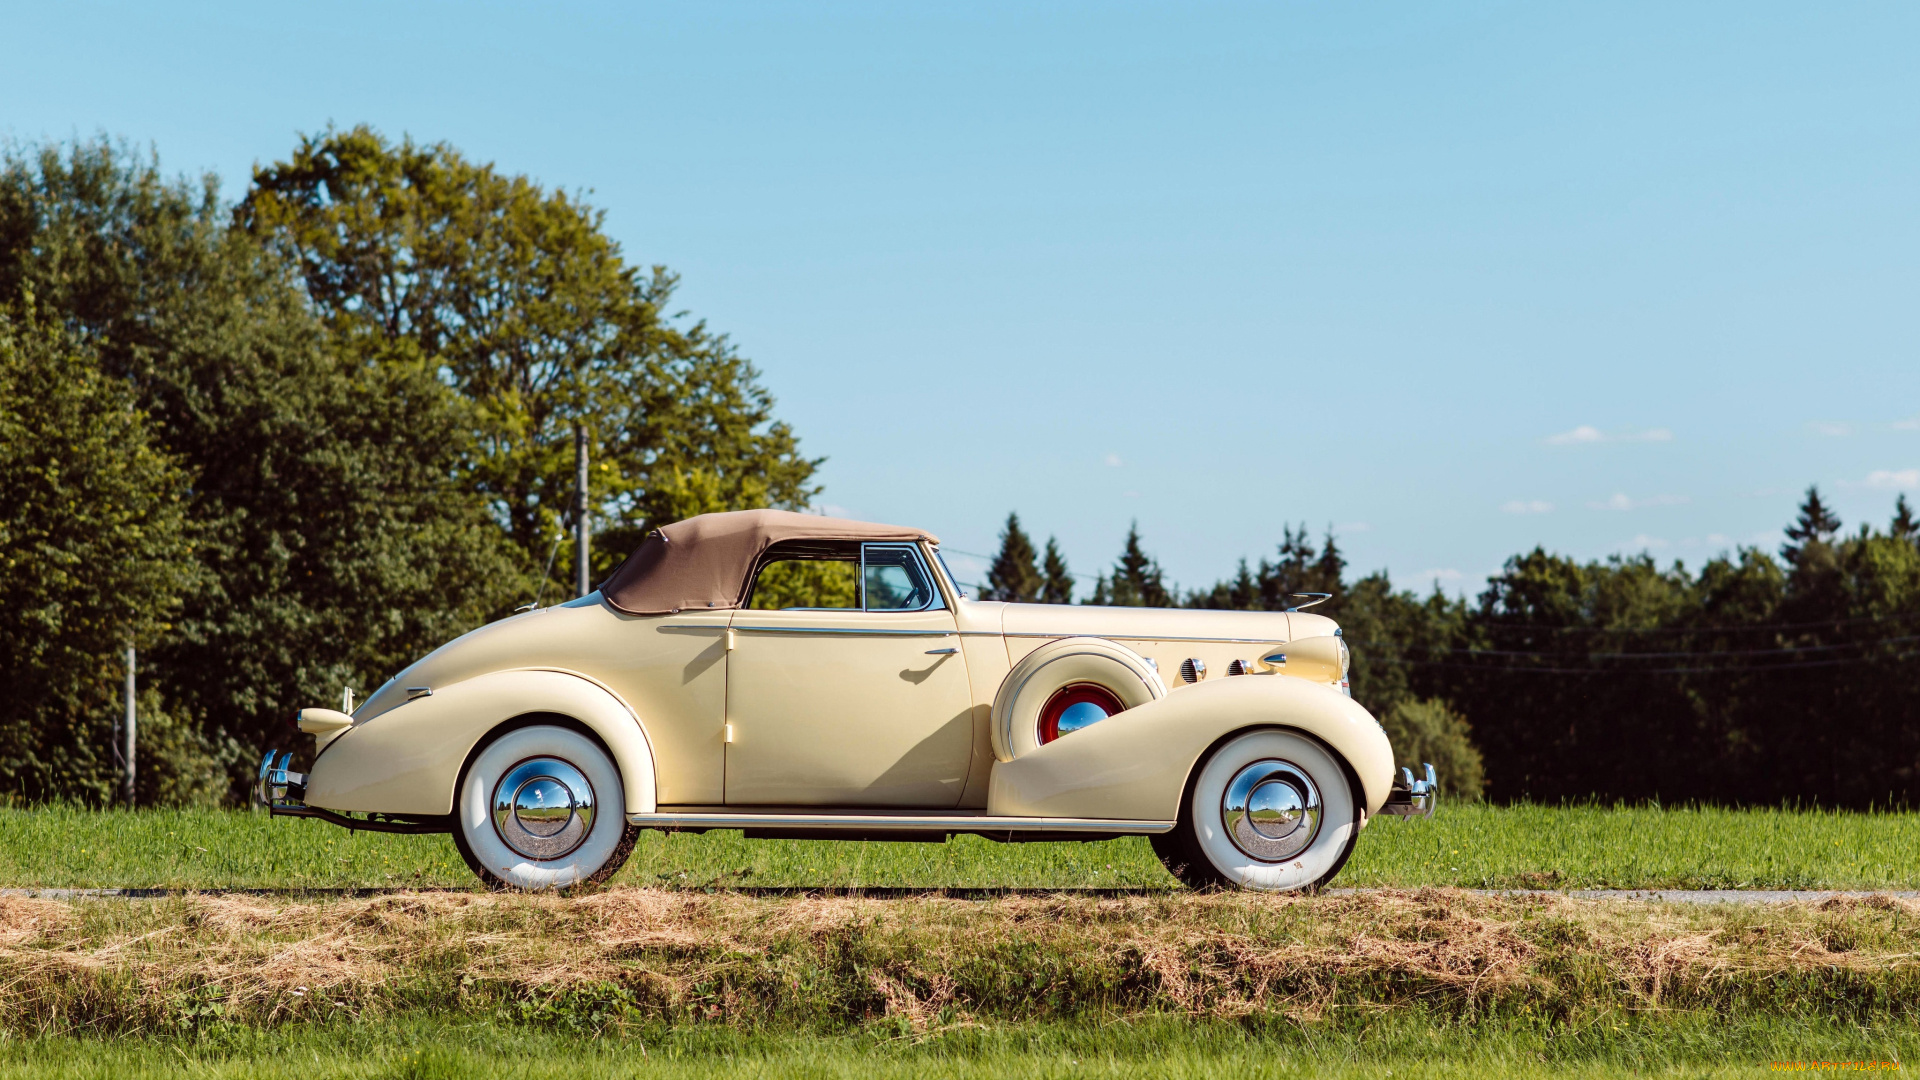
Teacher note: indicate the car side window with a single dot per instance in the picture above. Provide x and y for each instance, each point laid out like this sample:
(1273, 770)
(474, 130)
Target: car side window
(895, 578)
(808, 575)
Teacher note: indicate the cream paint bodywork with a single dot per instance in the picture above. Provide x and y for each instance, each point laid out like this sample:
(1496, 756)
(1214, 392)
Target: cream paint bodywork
(847, 708)
(1168, 636)
(390, 768)
(822, 721)
(667, 672)
(1135, 765)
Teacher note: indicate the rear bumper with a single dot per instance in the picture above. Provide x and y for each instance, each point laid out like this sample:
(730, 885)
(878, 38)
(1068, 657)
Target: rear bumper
(1413, 798)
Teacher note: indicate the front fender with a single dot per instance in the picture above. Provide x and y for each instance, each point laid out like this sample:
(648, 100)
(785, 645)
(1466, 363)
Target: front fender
(408, 759)
(1135, 764)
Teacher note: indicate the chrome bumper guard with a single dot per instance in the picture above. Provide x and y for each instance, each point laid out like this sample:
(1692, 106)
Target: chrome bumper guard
(280, 791)
(1413, 798)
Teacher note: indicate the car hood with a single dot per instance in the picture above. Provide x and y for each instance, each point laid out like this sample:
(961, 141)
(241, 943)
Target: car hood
(1161, 624)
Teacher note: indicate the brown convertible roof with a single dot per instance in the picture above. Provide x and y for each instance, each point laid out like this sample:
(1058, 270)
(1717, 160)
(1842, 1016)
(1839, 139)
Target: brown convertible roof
(703, 562)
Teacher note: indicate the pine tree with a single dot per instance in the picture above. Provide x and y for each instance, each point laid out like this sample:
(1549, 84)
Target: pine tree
(1329, 568)
(1904, 527)
(1242, 593)
(1058, 585)
(1102, 594)
(1817, 526)
(1137, 580)
(1013, 576)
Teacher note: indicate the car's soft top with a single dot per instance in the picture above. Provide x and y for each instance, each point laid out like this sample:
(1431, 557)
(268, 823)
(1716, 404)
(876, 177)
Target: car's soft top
(703, 562)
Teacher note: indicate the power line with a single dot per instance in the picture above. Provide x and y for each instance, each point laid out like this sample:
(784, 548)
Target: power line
(1725, 669)
(1790, 650)
(990, 558)
(1900, 617)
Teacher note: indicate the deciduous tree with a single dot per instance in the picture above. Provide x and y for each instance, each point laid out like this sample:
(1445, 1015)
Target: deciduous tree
(517, 296)
(95, 554)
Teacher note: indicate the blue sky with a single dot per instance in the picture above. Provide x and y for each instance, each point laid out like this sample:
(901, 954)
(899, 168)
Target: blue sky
(1455, 279)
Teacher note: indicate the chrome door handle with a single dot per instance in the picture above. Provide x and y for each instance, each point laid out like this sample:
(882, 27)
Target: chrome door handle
(941, 652)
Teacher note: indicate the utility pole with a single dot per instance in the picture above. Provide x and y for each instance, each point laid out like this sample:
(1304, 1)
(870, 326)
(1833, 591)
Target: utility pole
(126, 785)
(582, 527)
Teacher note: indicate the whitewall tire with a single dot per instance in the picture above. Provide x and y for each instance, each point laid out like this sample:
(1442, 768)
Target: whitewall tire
(542, 807)
(1036, 701)
(1271, 810)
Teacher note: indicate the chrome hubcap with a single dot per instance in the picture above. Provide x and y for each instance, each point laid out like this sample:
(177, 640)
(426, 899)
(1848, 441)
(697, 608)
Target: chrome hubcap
(1271, 810)
(543, 808)
(1080, 714)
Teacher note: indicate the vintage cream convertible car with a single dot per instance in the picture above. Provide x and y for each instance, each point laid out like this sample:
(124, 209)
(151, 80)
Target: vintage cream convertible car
(694, 692)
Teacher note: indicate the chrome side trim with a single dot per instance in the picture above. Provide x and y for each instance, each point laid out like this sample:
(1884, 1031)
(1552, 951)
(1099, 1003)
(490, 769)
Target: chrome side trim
(1128, 637)
(845, 630)
(960, 823)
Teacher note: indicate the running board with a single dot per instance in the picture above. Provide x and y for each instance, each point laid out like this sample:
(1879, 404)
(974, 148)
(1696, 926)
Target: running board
(928, 823)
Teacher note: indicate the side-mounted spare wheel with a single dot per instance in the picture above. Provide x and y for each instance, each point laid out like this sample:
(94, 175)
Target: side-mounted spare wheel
(1272, 810)
(1065, 685)
(542, 807)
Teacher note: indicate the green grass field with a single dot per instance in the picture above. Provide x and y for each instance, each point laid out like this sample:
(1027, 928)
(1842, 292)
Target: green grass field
(1169, 1047)
(1469, 846)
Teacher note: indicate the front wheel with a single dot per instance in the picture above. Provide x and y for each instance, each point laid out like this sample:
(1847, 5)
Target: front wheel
(542, 808)
(1270, 810)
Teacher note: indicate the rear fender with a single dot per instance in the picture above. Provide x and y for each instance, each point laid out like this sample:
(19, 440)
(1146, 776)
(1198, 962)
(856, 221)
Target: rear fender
(408, 759)
(1134, 765)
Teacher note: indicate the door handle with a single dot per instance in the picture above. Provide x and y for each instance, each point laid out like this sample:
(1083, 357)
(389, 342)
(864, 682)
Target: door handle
(941, 652)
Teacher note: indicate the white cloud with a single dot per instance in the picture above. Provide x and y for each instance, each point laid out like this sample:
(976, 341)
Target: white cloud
(1131, 494)
(1832, 429)
(1894, 479)
(1353, 527)
(1581, 434)
(1114, 462)
(1646, 543)
(1440, 575)
(1620, 501)
(1719, 539)
(1527, 506)
(1587, 433)
(1911, 423)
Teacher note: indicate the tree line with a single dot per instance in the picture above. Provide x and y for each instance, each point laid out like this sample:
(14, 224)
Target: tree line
(287, 443)
(1759, 678)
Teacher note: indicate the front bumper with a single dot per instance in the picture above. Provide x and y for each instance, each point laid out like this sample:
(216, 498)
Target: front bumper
(1413, 798)
(279, 790)
(284, 793)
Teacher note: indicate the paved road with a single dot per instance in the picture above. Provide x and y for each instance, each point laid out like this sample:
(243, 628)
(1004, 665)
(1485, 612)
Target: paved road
(1667, 896)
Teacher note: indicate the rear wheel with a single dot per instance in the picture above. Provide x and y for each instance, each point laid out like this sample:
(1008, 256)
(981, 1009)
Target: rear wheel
(1269, 810)
(542, 807)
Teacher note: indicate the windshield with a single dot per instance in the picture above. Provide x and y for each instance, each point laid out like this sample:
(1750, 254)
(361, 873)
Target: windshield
(958, 588)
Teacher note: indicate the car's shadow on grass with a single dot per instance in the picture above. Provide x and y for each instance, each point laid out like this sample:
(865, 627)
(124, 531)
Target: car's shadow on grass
(889, 892)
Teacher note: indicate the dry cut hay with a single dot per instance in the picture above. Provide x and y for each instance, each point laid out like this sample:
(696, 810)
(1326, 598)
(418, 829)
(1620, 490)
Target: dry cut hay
(630, 955)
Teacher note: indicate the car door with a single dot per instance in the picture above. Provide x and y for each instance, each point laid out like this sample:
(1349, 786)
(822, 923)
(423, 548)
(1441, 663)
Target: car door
(860, 700)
